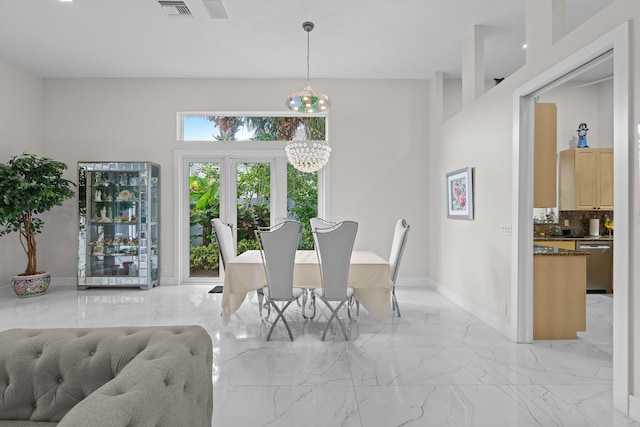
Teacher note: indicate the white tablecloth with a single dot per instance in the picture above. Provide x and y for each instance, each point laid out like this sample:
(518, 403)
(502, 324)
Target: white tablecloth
(368, 275)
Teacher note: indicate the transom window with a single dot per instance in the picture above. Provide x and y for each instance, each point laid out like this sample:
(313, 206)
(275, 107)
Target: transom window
(205, 127)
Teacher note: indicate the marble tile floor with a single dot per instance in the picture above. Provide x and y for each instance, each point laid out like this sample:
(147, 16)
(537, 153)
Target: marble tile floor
(437, 365)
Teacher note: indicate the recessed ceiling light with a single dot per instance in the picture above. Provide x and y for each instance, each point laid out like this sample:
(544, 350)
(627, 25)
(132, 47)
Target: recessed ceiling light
(66, 1)
(524, 46)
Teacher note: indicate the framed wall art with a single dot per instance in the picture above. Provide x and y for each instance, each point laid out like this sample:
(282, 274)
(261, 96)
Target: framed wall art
(460, 194)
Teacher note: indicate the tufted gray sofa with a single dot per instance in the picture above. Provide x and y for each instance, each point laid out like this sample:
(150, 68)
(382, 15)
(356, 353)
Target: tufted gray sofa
(122, 376)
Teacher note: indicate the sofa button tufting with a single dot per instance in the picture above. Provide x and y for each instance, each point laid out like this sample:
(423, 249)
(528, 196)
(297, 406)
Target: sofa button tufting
(59, 380)
(38, 354)
(92, 352)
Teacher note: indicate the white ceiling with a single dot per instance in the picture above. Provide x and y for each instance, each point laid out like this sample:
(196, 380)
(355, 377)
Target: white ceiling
(264, 38)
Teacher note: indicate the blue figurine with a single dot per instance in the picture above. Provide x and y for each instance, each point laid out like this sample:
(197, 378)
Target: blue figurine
(582, 135)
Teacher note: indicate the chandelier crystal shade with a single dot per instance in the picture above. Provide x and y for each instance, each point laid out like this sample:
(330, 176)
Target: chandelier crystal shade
(308, 156)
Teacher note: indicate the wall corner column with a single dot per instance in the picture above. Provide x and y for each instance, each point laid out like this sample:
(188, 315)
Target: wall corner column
(472, 65)
(546, 23)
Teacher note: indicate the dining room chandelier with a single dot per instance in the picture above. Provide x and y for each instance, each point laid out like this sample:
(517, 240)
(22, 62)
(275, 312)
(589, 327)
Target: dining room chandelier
(308, 156)
(307, 100)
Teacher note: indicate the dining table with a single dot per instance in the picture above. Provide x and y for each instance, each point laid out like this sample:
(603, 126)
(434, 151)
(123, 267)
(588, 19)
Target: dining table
(368, 275)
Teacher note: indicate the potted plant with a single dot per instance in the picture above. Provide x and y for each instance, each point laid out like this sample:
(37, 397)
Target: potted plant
(30, 185)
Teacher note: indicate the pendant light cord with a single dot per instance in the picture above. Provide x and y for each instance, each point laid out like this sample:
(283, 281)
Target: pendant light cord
(308, 57)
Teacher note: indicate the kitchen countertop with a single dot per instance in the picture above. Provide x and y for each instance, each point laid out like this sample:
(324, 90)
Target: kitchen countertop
(562, 238)
(546, 250)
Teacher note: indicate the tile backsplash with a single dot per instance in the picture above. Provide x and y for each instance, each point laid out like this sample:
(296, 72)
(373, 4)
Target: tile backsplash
(578, 222)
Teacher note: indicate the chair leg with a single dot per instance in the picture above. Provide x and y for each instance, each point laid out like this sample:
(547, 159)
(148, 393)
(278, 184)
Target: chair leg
(394, 301)
(312, 304)
(305, 296)
(309, 297)
(278, 317)
(353, 301)
(334, 315)
(260, 301)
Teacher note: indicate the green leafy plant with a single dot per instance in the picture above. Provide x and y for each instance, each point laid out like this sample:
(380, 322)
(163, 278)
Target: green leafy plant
(30, 185)
(204, 257)
(303, 189)
(204, 200)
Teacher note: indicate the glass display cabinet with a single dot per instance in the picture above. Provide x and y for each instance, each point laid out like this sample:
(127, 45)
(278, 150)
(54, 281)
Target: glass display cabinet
(118, 224)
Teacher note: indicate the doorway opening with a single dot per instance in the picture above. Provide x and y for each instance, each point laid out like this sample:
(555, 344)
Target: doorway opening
(616, 40)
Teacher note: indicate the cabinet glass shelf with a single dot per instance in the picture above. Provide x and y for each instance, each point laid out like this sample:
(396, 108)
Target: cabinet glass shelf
(118, 224)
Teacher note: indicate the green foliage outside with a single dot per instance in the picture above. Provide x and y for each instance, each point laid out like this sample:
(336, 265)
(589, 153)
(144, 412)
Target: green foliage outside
(302, 191)
(253, 196)
(204, 198)
(204, 258)
(253, 189)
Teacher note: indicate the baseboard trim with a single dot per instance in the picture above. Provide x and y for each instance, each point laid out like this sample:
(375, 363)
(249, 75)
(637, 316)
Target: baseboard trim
(73, 281)
(64, 281)
(481, 313)
(412, 281)
(634, 408)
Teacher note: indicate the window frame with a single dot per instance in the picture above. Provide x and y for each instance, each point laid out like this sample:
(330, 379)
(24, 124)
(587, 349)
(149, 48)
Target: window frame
(225, 151)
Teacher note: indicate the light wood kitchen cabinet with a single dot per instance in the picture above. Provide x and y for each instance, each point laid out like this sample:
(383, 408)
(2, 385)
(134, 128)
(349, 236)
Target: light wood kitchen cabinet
(545, 153)
(562, 244)
(586, 179)
(559, 296)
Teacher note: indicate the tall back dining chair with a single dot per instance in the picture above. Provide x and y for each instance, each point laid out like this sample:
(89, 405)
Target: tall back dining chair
(334, 246)
(224, 237)
(397, 249)
(278, 246)
(317, 222)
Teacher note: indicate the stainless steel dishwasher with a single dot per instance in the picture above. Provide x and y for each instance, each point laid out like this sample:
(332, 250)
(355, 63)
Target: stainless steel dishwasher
(599, 265)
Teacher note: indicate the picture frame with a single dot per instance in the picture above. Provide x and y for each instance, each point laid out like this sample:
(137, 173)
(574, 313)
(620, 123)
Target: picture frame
(460, 194)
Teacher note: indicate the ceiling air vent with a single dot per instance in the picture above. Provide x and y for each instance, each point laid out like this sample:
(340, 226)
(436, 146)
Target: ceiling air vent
(176, 9)
(216, 9)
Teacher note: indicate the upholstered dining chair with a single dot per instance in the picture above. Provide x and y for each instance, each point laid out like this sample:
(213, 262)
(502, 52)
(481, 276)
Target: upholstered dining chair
(397, 249)
(315, 222)
(278, 246)
(334, 246)
(224, 236)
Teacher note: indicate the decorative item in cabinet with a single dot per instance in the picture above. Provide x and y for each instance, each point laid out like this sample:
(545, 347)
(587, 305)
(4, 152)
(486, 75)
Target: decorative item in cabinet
(118, 224)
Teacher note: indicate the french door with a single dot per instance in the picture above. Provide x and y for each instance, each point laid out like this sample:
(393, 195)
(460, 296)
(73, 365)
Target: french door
(244, 190)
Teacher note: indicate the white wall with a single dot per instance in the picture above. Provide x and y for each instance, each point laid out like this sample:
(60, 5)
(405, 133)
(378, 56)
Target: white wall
(378, 156)
(473, 258)
(591, 104)
(20, 131)
(453, 96)
(20, 111)
(604, 132)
